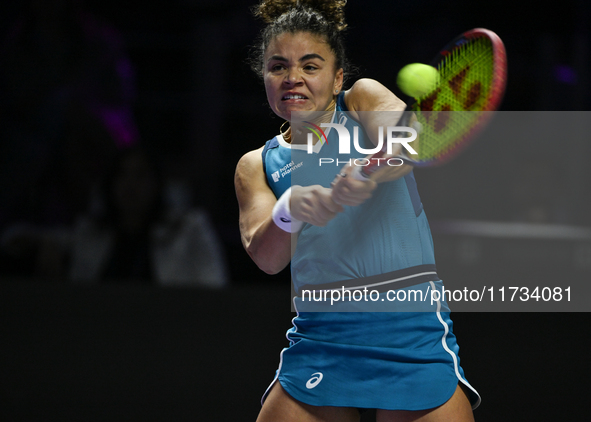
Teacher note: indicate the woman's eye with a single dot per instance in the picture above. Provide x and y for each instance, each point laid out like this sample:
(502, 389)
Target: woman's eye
(310, 67)
(277, 67)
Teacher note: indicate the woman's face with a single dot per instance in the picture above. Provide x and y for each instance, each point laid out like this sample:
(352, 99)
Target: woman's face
(300, 74)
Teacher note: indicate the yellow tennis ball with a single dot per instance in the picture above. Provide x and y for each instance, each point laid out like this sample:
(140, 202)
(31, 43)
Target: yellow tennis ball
(417, 79)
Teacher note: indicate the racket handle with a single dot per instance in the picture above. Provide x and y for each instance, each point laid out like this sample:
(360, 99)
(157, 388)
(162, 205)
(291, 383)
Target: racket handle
(358, 174)
(364, 172)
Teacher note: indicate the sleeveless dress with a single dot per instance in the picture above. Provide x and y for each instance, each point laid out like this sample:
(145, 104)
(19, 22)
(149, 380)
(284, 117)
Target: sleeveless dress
(366, 350)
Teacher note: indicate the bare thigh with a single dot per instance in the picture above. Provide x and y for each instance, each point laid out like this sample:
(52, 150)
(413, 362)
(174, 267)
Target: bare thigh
(456, 409)
(281, 407)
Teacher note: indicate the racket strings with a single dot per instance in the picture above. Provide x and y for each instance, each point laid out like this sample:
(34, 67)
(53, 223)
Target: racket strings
(467, 71)
(466, 79)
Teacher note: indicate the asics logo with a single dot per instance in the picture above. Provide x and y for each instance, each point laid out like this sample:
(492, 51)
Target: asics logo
(315, 380)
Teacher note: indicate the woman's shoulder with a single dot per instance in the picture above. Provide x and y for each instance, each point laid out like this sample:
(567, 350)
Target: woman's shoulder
(366, 85)
(370, 95)
(249, 168)
(250, 160)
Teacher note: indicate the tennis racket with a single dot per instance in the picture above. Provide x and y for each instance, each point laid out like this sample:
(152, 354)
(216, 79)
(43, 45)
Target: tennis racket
(472, 78)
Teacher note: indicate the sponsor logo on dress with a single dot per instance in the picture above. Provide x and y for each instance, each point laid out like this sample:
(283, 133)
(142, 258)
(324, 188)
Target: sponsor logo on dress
(315, 380)
(285, 170)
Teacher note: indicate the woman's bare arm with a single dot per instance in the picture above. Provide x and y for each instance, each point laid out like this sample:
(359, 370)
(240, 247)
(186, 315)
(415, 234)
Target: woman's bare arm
(267, 245)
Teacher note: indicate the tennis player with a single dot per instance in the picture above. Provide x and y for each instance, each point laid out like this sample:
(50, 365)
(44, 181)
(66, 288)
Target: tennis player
(349, 233)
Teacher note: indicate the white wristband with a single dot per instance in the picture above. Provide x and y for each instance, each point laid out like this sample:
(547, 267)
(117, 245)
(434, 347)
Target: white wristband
(282, 215)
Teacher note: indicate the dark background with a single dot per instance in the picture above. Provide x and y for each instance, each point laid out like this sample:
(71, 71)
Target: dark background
(147, 353)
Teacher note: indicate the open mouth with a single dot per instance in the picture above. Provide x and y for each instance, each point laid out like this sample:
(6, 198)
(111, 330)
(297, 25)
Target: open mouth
(293, 97)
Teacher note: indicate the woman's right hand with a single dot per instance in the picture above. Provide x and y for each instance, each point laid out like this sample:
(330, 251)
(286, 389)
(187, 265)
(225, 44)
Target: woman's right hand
(313, 204)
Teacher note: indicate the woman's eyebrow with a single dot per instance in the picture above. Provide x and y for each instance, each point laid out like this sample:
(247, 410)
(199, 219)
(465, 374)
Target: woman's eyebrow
(277, 58)
(303, 58)
(312, 56)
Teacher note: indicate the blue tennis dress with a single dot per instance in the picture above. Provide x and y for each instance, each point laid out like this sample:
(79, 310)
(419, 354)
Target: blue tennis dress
(373, 352)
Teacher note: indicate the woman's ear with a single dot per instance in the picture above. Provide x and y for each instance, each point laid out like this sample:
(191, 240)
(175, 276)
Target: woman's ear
(338, 81)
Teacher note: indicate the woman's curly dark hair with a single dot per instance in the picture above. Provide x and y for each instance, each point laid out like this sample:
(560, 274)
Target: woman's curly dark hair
(323, 18)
